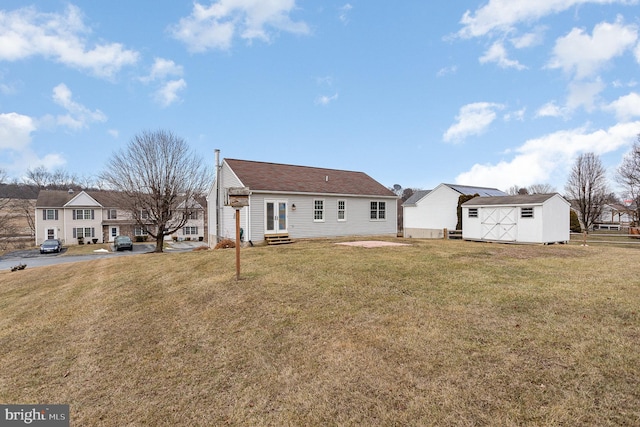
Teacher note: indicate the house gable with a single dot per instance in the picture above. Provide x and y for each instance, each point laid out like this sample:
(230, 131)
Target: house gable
(82, 199)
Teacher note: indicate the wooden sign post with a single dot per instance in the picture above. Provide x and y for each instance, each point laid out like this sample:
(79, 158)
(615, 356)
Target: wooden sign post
(238, 198)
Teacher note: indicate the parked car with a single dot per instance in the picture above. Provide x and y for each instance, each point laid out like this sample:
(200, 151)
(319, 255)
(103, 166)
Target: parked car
(122, 242)
(51, 245)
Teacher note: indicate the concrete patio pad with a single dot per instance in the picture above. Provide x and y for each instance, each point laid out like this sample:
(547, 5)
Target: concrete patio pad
(372, 244)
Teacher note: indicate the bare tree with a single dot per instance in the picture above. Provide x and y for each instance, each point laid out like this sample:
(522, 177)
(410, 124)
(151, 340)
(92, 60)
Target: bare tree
(516, 190)
(629, 176)
(587, 188)
(541, 189)
(59, 179)
(157, 177)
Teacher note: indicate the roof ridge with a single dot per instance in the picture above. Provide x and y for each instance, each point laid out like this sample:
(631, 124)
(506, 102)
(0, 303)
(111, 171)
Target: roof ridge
(296, 166)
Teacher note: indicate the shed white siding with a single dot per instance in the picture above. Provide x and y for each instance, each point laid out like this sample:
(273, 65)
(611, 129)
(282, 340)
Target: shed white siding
(518, 219)
(437, 210)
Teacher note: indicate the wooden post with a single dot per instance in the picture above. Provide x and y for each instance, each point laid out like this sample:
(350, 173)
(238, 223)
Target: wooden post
(445, 234)
(237, 244)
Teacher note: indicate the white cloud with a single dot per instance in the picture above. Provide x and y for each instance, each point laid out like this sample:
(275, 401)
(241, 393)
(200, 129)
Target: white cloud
(473, 119)
(515, 115)
(163, 68)
(215, 26)
(78, 116)
(114, 133)
(15, 141)
(551, 109)
(625, 107)
(447, 70)
(168, 93)
(498, 54)
(549, 157)
(529, 39)
(15, 131)
(344, 13)
(326, 100)
(503, 15)
(60, 37)
(584, 94)
(585, 55)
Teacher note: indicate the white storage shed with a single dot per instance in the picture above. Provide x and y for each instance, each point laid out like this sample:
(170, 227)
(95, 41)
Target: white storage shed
(536, 218)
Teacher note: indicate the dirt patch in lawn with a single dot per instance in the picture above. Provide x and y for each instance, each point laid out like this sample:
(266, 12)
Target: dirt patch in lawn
(372, 244)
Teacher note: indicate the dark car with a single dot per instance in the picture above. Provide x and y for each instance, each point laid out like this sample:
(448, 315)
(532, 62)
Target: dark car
(50, 246)
(122, 242)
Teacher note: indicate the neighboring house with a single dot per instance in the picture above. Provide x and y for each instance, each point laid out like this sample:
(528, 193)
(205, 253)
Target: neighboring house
(299, 202)
(614, 217)
(427, 213)
(88, 216)
(536, 218)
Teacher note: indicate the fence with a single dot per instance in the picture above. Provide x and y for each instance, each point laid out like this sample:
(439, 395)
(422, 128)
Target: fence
(607, 238)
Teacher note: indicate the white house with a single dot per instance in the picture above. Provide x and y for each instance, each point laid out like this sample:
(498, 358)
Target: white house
(292, 201)
(88, 216)
(536, 218)
(614, 217)
(428, 213)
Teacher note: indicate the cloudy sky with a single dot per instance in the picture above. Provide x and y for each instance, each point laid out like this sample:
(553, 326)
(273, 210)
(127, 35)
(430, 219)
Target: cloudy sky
(494, 92)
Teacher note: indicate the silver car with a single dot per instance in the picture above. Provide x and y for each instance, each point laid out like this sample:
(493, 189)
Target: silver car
(121, 243)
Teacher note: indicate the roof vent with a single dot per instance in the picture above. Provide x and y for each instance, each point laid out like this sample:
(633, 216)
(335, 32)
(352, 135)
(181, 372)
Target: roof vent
(326, 178)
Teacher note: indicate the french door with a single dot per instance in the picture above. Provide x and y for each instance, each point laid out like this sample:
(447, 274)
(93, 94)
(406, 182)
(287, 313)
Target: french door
(275, 220)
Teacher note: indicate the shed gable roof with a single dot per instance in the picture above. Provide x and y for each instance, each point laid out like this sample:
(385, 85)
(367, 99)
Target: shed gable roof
(528, 199)
(262, 176)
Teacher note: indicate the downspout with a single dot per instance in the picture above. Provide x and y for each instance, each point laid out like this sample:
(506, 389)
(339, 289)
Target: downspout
(218, 202)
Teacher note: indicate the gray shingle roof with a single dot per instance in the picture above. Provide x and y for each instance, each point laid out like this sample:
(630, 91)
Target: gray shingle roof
(415, 197)
(59, 198)
(530, 199)
(482, 191)
(262, 176)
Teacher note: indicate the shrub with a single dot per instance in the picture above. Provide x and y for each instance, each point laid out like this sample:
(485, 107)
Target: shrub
(225, 244)
(574, 222)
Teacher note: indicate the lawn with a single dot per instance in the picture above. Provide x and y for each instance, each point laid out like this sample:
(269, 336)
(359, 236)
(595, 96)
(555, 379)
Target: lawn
(436, 333)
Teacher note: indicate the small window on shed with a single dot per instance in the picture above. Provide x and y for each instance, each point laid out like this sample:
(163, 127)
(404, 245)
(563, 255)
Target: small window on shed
(526, 212)
(473, 212)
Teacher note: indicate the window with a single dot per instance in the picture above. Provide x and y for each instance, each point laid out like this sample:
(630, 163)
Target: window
(378, 210)
(192, 214)
(112, 214)
(50, 214)
(318, 210)
(86, 232)
(526, 212)
(139, 231)
(473, 212)
(83, 214)
(342, 210)
(144, 214)
(189, 230)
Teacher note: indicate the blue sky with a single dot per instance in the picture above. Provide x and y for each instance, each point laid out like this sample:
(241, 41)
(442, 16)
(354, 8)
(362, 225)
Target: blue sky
(493, 93)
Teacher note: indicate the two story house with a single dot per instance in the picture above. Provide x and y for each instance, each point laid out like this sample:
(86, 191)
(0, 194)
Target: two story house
(95, 217)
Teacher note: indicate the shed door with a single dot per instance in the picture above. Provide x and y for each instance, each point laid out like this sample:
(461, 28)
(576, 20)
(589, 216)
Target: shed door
(499, 224)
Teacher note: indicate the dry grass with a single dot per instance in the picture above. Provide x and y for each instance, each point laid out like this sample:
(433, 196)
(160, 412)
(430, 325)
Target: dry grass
(437, 333)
